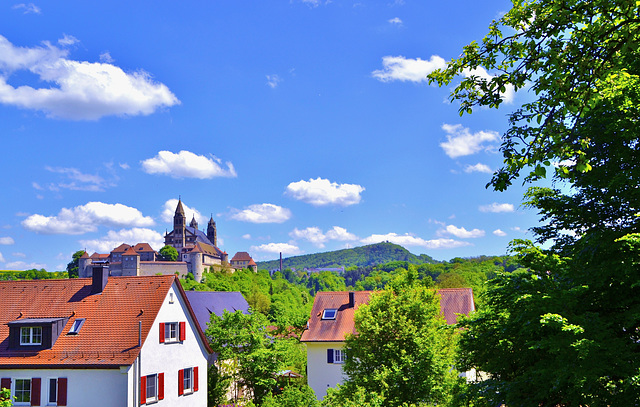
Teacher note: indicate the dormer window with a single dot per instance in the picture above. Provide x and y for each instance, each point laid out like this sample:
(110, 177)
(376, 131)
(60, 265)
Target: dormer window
(31, 335)
(75, 328)
(329, 313)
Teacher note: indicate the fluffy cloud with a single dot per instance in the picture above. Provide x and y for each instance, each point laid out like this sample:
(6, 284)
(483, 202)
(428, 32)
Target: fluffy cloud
(478, 168)
(262, 213)
(318, 238)
(78, 181)
(319, 192)
(395, 20)
(462, 233)
(284, 248)
(273, 81)
(460, 141)
(7, 240)
(77, 90)
(169, 209)
(409, 240)
(87, 218)
(1, 258)
(28, 8)
(405, 69)
(132, 236)
(21, 265)
(186, 164)
(499, 232)
(497, 207)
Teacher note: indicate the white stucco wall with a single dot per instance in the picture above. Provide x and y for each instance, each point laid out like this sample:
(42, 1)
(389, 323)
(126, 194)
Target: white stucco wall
(320, 374)
(168, 358)
(85, 387)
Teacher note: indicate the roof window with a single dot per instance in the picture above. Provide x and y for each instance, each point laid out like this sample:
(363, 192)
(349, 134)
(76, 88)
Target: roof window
(75, 328)
(329, 313)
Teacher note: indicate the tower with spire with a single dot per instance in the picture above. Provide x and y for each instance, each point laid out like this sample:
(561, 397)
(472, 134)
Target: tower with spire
(212, 233)
(179, 224)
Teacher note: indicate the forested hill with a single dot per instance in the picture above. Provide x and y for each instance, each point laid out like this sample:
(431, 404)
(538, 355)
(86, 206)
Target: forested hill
(363, 256)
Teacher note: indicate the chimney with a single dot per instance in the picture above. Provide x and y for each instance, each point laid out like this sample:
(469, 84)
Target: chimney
(99, 279)
(352, 299)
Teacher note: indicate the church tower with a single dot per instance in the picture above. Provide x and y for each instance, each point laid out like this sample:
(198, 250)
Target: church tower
(212, 234)
(194, 222)
(179, 224)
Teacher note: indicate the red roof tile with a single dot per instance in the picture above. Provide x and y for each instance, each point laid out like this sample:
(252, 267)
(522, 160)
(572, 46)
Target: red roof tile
(130, 252)
(122, 248)
(452, 301)
(109, 336)
(241, 256)
(143, 247)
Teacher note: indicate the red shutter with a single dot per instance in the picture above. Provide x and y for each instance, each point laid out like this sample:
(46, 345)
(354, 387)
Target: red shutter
(5, 383)
(35, 391)
(195, 378)
(180, 382)
(143, 390)
(62, 391)
(160, 386)
(161, 332)
(183, 331)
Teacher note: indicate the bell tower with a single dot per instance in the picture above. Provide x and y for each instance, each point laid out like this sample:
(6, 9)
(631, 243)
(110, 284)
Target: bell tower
(179, 224)
(212, 233)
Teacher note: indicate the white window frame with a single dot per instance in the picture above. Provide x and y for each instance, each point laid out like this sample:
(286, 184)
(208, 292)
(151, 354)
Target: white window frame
(152, 380)
(31, 335)
(187, 380)
(167, 332)
(14, 393)
(77, 324)
(53, 402)
(338, 356)
(329, 310)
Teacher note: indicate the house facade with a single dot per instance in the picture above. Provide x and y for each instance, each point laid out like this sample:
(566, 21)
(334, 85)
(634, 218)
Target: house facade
(332, 318)
(242, 260)
(104, 341)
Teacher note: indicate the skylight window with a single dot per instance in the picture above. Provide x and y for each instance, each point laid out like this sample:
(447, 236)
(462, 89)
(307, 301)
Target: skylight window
(329, 313)
(75, 328)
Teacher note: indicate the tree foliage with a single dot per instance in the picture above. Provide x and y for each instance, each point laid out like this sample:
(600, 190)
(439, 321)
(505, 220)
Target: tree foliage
(403, 350)
(169, 253)
(5, 398)
(72, 266)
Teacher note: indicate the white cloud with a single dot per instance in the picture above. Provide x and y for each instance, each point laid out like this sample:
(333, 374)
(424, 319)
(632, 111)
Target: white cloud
(1, 258)
(28, 8)
(132, 236)
(460, 141)
(21, 265)
(169, 209)
(409, 240)
(19, 254)
(79, 181)
(86, 218)
(284, 248)
(318, 238)
(395, 20)
(273, 81)
(7, 240)
(262, 213)
(478, 168)
(246, 236)
(405, 69)
(77, 90)
(499, 232)
(319, 192)
(497, 207)
(461, 233)
(124, 166)
(508, 95)
(186, 164)
(68, 40)
(105, 57)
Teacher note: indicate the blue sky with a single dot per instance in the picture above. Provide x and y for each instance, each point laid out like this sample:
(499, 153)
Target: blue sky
(301, 126)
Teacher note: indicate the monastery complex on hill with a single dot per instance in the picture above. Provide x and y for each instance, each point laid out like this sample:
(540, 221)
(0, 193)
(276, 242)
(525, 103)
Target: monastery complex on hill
(197, 252)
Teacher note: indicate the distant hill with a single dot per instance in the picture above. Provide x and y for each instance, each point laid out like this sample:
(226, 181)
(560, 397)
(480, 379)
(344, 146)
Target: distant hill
(370, 255)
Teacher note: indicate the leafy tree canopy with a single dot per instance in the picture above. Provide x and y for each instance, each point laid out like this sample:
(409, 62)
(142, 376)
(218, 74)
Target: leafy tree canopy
(72, 267)
(169, 253)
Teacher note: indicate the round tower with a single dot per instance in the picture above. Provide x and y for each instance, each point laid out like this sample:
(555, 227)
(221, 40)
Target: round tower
(195, 261)
(84, 262)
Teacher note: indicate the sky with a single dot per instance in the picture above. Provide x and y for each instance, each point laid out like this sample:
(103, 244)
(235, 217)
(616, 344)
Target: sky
(300, 126)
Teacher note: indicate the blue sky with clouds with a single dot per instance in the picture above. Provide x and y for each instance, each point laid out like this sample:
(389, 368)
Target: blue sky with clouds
(299, 125)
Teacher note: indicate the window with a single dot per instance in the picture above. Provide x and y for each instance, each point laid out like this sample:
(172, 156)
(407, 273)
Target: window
(22, 391)
(31, 335)
(171, 332)
(152, 387)
(53, 391)
(329, 313)
(187, 380)
(75, 328)
(338, 356)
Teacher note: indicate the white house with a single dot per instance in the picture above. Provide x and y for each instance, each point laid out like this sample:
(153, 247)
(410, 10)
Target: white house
(332, 317)
(101, 341)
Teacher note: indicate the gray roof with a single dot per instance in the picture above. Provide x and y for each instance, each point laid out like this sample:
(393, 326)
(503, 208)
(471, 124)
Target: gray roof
(200, 235)
(204, 303)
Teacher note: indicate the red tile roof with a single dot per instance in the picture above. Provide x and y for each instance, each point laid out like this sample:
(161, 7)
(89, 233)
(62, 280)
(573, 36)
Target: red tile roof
(241, 256)
(143, 247)
(109, 336)
(122, 248)
(452, 301)
(130, 252)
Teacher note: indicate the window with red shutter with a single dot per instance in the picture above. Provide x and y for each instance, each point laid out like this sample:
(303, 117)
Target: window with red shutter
(161, 332)
(183, 331)
(180, 382)
(160, 386)
(143, 390)
(62, 391)
(36, 385)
